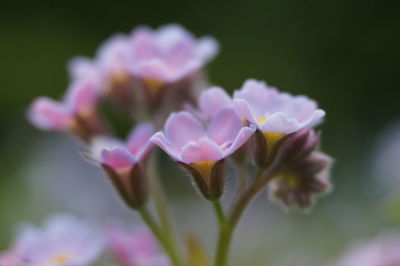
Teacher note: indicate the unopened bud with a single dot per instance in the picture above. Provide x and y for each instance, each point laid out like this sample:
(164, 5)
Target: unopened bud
(298, 184)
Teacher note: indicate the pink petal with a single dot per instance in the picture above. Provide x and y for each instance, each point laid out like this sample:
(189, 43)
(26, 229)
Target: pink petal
(202, 151)
(152, 69)
(48, 114)
(117, 158)
(139, 140)
(82, 95)
(280, 123)
(207, 48)
(224, 126)
(171, 35)
(161, 141)
(212, 100)
(183, 127)
(242, 137)
(83, 68)
(243, 109)
(257, 95)
(143, 44)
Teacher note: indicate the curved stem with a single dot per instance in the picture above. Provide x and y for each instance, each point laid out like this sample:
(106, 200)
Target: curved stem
(228, 224)
(153, 226)
(245, 198)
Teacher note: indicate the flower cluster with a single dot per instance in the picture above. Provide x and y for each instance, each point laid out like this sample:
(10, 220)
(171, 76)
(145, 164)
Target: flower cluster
(152, 73)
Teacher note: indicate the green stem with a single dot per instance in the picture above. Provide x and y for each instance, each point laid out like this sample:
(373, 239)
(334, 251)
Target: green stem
(161, 208)
(246, 196)
(168, 248)
(228, 224)
(225, 235)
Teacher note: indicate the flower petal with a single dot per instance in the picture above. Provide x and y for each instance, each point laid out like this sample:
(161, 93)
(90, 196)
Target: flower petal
(207, 48)
(161, 141)
(82, 95)
(117, 158)
(48, 114)
(280, 123)
(257, 95)
(203, 151)
(224, 126)
(139, 140)
(242, 137)
(212, 100)
(243, 109)
(183, 127)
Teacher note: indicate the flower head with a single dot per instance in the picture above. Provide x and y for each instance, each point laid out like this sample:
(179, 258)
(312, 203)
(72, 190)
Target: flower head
(75, 114)
(135, 247)
(168, 54)
(64, 240)
(123, 162)
(187, 141)
(275, 112)
(275, 115)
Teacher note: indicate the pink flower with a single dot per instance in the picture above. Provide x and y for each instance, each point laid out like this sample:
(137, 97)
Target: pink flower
(76, 113)
(124, 162)
(135, 247)
(110, 69)
(186, 140)
(276, 112)
(384, 251)
(64, 240)
(275, 115)
(168, 54)
(199, 149)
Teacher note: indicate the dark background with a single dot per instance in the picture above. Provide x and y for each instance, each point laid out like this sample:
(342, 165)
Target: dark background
(344, 54)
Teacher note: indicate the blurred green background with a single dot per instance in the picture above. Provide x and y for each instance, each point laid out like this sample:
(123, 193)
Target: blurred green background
(344, 54)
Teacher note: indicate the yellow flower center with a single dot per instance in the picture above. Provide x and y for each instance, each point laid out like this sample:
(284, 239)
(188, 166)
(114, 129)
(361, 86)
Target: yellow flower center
(262, 119)
(60, 259)
(205, 169)
(272, 138)
(153, 85)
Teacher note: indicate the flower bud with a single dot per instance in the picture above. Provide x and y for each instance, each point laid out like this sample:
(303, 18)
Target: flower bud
(297, 184)
(297, 146)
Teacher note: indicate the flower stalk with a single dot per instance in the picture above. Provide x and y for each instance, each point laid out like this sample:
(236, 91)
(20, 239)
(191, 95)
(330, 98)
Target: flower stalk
(160, 235)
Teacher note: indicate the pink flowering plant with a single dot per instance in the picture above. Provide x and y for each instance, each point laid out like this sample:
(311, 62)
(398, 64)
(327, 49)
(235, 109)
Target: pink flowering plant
(158, 79)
